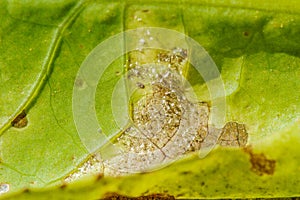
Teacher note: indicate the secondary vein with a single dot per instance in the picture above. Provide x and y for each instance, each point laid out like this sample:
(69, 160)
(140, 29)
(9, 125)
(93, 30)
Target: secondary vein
(47, 64)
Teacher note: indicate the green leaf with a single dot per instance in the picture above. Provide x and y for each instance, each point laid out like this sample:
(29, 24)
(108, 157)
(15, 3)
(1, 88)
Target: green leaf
(255, 44)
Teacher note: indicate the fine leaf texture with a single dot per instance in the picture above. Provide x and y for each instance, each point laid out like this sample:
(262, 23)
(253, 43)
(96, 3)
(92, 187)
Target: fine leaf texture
(255, 45)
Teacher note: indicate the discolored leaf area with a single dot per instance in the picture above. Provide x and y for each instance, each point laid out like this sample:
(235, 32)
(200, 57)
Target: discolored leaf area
(255, 45)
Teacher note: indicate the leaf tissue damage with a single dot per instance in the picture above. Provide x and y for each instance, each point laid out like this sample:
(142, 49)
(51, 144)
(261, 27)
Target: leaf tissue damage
(233, 134)
(261, 165)
(116, 196)
(20, 121)
(264, 41)
(167, 120)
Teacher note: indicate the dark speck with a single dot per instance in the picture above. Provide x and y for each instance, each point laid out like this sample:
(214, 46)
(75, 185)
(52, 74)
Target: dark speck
(140, 85)
(99, 176)
(20, 121)
(79, 82)
(246, 33)
(26, 190)
(63, 186)
(186, 172)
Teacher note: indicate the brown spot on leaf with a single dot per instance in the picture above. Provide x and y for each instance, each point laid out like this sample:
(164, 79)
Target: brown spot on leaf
(260, 163)
(245, 33)
(116, 196)
(20, 121)
(186, 172)
(79, 82)
(140, 85)
(63, 186)
(26, 190)
(233, 134)
(99, 176)
(118, 73)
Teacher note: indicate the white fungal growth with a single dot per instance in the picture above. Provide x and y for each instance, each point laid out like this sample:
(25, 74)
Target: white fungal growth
(92, 166)
(165, 122)
(4, 188)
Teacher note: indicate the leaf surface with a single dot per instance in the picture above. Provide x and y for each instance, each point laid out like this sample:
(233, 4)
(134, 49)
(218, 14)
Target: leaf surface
(255, 45)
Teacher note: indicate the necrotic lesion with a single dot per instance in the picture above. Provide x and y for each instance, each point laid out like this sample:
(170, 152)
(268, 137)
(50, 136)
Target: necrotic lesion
(20, 121)
(233, 134)
(164, 121)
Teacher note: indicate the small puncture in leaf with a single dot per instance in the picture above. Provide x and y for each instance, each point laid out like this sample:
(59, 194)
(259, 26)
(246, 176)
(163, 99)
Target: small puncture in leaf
(20, 121)
(140, 85)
